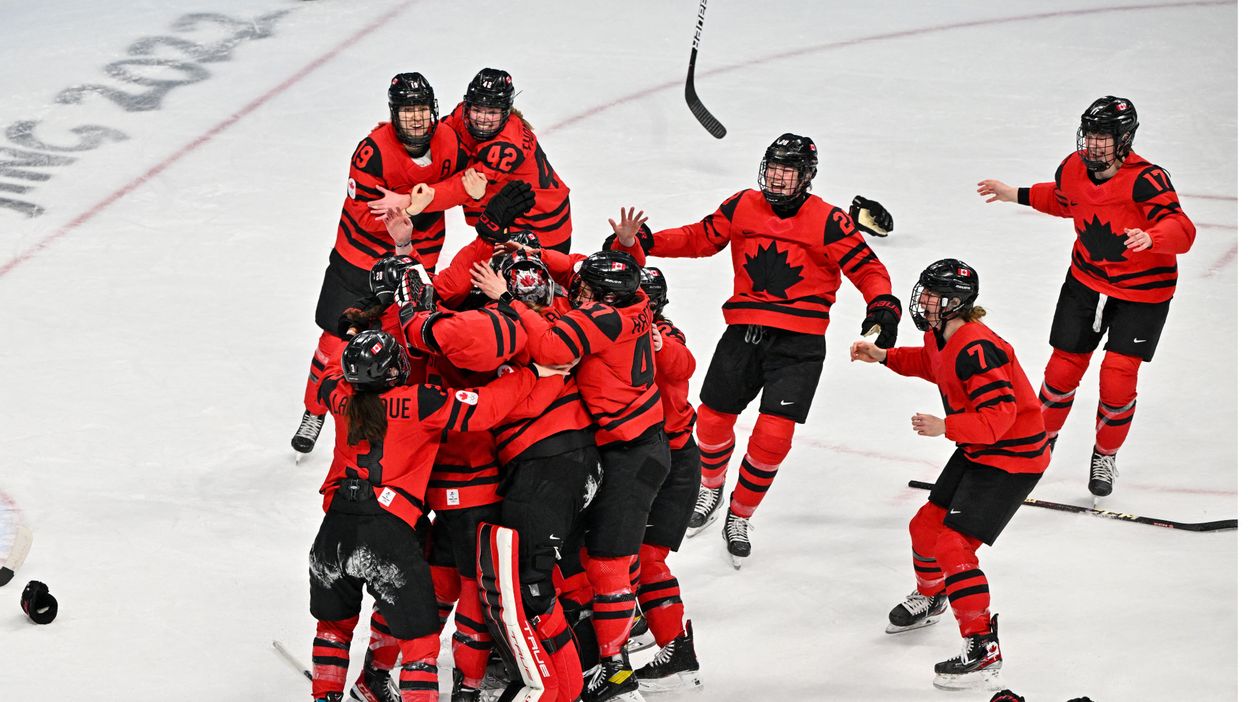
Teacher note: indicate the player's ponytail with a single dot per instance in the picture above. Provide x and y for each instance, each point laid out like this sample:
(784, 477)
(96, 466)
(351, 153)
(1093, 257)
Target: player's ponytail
(523, 121)
(366, 418)
(974, 314)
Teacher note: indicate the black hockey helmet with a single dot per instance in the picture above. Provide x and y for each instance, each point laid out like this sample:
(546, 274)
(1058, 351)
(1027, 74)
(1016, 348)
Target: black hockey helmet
(654, 283)
(797, 152)
(374, 362)
(384, 278)
(954, 282)
(412, 90)
(609, 277)
(528, 279)
(1110, 115)
(491, 87)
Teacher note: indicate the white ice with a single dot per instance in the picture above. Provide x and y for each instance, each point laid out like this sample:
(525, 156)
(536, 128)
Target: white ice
(157, 320)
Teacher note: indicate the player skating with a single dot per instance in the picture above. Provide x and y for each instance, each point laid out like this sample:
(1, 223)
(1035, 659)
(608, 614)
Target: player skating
(789, 249)
(1129, 231)
(994, 417)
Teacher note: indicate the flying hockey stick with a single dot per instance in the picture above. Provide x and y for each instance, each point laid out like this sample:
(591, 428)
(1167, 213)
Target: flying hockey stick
(1222, 525)
(294, 662)
(691, 96)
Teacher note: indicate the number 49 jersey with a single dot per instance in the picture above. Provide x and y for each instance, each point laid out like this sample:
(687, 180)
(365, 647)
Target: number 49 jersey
(514, 154)
(991, 411)
(1139, 196)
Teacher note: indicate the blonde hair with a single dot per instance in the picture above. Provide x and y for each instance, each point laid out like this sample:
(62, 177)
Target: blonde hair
(973, 315)
(523, 121)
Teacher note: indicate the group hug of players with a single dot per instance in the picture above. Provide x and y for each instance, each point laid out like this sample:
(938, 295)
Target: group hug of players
(513, 435)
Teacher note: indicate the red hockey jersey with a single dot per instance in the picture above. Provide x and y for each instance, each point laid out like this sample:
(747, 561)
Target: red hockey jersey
(381, 161)
(514, 154)
(1139, 196)
(674, 366)
(991, 411)
(787, 269)
(419, 417)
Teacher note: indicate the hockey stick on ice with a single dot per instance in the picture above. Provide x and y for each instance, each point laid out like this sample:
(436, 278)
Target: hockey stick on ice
(691, 96)
(294, 662)
(1222, 525)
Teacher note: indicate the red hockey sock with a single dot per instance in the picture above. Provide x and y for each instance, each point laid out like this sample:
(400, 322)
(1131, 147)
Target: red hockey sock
(446, 584)
(924, 527)
(383, 648)
(331, 654)
(964, 581)
(1119, 376)
(613, 602)
(471, 643)
(326, 348)
(769, 444)
(659, 595)
(716, 440)
(634, 573)
(1057, 393)
(418, 678)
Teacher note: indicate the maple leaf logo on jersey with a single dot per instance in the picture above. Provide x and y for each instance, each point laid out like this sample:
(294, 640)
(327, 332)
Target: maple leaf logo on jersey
(1101, 241)
(770, 272)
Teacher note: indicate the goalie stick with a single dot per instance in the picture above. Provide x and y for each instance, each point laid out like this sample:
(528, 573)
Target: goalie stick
(1222, 525)
(699, 110)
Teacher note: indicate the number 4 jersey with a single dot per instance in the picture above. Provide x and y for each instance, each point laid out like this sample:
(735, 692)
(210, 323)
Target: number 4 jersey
(1139, 196)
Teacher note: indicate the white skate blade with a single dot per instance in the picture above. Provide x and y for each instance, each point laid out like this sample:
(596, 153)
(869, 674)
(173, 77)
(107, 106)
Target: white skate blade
(631, 696)
(684, 680)
(988, 680)
(692, 532)
(640, 643)
(736, 561)
(894, 629)
(299, 457)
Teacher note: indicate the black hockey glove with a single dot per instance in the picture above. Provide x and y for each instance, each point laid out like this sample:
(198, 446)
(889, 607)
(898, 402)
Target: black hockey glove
(885, 312)
(38, 603)
(870, 216)
(1007, 696)
(415, 294)
(513, 200)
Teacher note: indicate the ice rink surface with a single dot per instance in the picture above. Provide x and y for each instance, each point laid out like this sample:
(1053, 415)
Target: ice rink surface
(163, 237)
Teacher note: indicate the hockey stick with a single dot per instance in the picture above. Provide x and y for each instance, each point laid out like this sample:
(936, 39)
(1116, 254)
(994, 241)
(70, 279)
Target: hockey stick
(1223, 525)
(294, 662)
(691, 96)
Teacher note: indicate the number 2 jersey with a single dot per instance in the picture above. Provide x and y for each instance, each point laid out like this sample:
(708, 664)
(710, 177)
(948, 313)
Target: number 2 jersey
(1138, 196)
(787, 269)
(991, 411)
(380, 160)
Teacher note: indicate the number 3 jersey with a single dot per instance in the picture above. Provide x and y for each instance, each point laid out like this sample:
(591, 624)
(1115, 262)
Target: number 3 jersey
(1139, 196)
(991, 412)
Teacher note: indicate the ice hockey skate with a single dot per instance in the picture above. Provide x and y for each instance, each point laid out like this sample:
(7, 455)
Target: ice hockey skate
(304, 439)
(704, 509)
(460, 693)
(612, 679)
(737, 538)
(674, 667)
(916, 612)
(375, 686)
(1101, 475)
(977, 668)
(639, 636)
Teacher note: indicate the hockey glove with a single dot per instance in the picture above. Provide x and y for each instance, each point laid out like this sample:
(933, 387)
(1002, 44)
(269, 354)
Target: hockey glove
(513, 200)
(414, 294)
(870, 216)
(885, 312)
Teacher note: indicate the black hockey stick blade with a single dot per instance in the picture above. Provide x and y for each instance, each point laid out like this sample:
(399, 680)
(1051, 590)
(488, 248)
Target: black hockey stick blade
(1222, 525)
(707, 120)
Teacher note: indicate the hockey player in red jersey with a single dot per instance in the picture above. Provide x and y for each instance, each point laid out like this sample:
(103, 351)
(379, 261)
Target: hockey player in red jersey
(386, 436)
(399, 154)
(993, 416)
(658, 592)
(789, 249)
(609, 334)
(1123, 269)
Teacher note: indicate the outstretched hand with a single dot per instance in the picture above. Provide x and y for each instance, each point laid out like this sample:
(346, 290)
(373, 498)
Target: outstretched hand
(398, 224)
(388, 201)
(863, 350)
(996, 191)
(630, 223)
(488, 280)
(927, 425)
